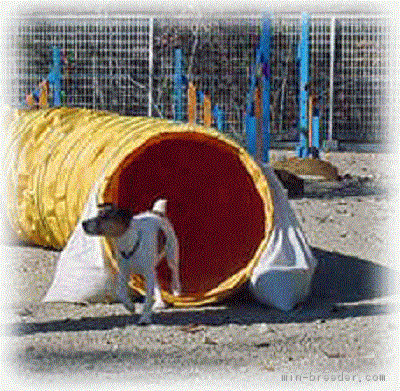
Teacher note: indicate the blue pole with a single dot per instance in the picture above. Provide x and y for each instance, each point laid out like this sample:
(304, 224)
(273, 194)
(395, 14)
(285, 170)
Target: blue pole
(251, 129)
(315, 129)
(304, 57)
(178, 92)
(55, 76)
(250, 119)
(219, 117)
(265, 53)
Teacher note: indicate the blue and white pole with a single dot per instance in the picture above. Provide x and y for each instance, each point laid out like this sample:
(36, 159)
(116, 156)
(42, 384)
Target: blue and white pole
(265, 54)
(178, 81)
(262, 62)
(304, 59)
(55, 76)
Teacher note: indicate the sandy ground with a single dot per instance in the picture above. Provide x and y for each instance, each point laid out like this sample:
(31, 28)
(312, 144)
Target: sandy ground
(343, 336)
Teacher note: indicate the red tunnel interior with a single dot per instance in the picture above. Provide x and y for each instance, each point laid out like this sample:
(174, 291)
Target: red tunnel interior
(217, 213)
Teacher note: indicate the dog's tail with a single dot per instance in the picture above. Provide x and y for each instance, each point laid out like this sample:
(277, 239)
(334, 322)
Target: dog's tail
(160, 207)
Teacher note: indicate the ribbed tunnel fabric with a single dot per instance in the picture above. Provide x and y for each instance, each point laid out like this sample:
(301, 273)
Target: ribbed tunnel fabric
(219, 202)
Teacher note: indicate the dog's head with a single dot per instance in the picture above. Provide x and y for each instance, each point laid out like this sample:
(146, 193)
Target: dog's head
(110, 221)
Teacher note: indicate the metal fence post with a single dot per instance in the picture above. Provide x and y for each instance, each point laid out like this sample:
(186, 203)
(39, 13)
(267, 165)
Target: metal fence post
(151, 56)
(331, 78)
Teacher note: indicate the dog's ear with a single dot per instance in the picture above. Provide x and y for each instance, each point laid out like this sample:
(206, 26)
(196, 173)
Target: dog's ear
(111, 210)
(105, 205)
(124, 213)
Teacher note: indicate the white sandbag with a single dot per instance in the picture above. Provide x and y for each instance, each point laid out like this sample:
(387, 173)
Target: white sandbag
(81, 273)
(283, 275)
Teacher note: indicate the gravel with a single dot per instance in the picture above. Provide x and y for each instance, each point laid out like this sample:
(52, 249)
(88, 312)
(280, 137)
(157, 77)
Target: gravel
(344, 335)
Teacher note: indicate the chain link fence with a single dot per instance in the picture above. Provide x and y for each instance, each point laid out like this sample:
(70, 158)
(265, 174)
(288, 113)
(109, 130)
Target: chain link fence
(126, 64)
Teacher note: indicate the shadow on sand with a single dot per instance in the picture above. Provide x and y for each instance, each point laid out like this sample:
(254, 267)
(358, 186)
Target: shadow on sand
(349, 187)
(343, 287)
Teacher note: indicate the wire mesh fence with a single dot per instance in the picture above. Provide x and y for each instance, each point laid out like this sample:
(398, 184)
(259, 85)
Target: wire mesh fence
(105, 60)
(216, 56)
(284, 78)
(127, 64)
(361, 66)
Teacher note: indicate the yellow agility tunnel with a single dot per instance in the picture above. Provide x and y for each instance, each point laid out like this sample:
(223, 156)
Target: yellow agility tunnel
(219, 201)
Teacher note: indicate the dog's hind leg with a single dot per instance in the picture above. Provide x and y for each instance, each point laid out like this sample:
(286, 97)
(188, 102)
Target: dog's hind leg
(172, 256)
(176, 282)
(148, 303)
(159, 303)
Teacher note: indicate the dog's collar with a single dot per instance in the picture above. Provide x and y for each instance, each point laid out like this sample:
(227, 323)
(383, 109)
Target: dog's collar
(135, 247)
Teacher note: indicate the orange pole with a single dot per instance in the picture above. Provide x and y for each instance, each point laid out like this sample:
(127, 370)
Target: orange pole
(43, 97)
(207, 110)
(310, 114)
(192, 102)
(258, 114)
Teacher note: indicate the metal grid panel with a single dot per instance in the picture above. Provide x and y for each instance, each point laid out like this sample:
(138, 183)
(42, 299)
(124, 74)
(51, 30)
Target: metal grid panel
(321, 29)
(106, 60)
(121, 64)
(361, 79)
(217, 54)
(284, 78)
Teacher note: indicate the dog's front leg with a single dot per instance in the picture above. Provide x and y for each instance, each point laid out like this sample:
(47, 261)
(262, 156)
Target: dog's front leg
(123, 279)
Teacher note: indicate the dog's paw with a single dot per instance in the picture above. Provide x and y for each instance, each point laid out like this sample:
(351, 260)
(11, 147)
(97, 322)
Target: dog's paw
(145, 319)
(159, 305)
(176, 289)
(129, 305)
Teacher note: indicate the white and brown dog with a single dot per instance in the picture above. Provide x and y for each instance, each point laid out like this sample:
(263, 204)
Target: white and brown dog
(141, 241)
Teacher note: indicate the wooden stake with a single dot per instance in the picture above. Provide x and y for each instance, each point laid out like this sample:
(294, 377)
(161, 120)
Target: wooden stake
(207, 110)
(44, 93)
(259, 128)
(310, 115)
(192, 102)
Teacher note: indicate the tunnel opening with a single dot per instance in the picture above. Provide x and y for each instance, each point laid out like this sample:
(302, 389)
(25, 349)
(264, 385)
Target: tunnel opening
(213, 204)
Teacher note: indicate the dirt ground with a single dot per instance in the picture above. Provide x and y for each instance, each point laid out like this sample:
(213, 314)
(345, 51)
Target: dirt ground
(343, 337)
